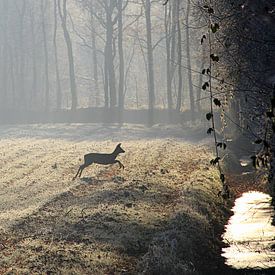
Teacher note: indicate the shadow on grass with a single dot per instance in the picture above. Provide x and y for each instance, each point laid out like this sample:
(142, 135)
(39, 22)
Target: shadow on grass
(117, 218)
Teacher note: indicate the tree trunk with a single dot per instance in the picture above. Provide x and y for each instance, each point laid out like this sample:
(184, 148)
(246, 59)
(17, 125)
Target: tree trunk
(4, 74)
(121, 83)
(179, 98)
(189, 66)
(121, 58)
(200, 80)
(109, 53)
(95, 61)
(150, 58)
(63, 17)
(46, 64)
(22, 96)
(34, 65)
(56, 63)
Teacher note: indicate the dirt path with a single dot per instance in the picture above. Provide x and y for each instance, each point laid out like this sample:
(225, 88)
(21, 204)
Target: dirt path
(105, 222)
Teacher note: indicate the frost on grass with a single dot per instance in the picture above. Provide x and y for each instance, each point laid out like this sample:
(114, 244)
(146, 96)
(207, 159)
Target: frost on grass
(157, 216)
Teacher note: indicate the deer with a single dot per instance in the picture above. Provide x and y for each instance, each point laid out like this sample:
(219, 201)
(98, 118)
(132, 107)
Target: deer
(100, 158)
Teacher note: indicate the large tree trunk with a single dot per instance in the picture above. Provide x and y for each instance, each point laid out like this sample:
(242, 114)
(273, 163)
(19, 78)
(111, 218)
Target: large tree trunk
(121, 58)
(63, 17)
(95, 61)
(46, 64)
(56, 63)
(22, 97)
(189, 66)
(170, 30)
(202, 65)
(109, 53)
(12, 78)
(150, 58)
(34, 64)
(179, 98)
(106, 78)
(4, 67)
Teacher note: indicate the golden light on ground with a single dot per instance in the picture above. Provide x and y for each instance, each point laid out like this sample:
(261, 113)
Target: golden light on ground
(249, 233)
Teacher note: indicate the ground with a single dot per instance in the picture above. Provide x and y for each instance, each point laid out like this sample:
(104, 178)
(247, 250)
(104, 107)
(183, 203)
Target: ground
(157, 216)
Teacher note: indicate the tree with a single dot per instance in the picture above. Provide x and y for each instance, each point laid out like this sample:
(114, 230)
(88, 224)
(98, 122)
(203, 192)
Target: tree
(150, 60)
(63, 17)
(45, 46)
(57, 74)
(188, 55)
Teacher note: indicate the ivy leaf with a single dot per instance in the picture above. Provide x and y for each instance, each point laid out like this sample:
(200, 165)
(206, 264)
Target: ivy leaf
(217, 102)
(205, 85)
(215, 161)
(270, 114)
(221, 145)
(214, 57)
(210, 130)
(203, 38)
(208, 71)
(215, 27)
(254, 161)
(210, 10)
(209, 116)
(266, 144)
(258, 141)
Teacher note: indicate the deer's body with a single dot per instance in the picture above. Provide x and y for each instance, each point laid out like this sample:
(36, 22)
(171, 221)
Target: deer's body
(98, 158)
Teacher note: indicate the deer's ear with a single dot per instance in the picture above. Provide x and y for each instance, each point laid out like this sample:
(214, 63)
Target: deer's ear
(119, 144)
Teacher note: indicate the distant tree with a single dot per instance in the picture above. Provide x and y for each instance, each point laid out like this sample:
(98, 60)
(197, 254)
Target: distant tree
(171, 13)
(180, 78)
(57, 74)
(189, 64)
(43, 8)
(63, 17)
(150, 60)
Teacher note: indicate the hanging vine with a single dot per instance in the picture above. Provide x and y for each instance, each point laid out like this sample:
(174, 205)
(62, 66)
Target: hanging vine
(213, 27)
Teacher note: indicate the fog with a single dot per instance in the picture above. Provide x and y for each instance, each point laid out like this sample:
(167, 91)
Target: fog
(61, 55)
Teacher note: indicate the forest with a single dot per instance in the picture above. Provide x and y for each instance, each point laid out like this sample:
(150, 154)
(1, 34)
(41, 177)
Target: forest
(137, 137)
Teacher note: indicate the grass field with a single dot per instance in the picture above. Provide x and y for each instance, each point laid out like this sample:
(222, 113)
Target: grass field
(159, 215)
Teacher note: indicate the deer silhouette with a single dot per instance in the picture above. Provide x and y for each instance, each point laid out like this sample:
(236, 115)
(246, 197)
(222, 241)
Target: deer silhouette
(101, 159)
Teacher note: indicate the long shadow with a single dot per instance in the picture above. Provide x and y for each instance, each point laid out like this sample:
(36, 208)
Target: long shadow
(182, 238)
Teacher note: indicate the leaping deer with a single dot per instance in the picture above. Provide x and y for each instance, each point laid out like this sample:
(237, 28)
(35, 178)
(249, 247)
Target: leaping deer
(101, 159)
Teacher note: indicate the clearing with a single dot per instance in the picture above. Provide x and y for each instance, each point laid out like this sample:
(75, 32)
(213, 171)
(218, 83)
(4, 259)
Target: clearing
(157, 216)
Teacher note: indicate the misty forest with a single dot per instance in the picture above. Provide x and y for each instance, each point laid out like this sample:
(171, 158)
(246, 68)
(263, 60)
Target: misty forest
(137, 137)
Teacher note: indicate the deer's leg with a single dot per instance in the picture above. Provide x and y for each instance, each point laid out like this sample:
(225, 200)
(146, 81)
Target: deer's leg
(77, 172)
(82, 168)
(120, 164)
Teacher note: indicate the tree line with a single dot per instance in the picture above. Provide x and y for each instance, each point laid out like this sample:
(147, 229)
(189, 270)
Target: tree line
(69, 54)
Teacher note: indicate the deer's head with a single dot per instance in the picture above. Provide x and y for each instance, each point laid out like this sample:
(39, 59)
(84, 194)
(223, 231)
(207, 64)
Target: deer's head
(119, 149)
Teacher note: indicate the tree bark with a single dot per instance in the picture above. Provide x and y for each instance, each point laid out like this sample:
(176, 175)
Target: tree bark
(95, 61)
(56, 63)
(46, 58)
(190, 82)
(180, 82)
(22, 96)
(121, 58)
(34, 64)
(150, 58)
(63, 17)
